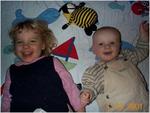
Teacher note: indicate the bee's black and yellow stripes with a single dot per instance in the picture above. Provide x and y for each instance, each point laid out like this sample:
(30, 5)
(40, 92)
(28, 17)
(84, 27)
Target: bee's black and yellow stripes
(83, 17)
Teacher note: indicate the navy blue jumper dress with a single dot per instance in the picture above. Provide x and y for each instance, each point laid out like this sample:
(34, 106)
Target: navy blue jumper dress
(37, 85)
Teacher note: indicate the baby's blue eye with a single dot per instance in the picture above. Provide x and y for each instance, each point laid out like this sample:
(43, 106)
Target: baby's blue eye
(112, 43)
(33, 41)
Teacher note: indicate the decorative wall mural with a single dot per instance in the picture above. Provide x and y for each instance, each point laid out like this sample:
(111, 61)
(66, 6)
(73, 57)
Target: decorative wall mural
(73, 25)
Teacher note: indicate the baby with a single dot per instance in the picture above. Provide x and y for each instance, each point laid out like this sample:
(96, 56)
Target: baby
(115, 82)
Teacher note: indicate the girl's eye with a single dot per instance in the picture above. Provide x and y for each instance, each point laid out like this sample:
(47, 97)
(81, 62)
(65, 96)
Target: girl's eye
(18, 42)
(100, 44)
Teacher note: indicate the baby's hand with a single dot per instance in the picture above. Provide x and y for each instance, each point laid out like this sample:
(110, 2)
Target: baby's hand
(144, 31)
(85, 97)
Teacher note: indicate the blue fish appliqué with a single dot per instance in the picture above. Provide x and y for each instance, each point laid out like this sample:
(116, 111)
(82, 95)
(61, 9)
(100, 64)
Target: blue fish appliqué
(19, 17)
(115, 5)
(50, 15)
(8, 49)
(126, 45)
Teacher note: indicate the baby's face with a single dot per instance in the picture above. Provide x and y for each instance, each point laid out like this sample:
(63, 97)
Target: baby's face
(106, 45)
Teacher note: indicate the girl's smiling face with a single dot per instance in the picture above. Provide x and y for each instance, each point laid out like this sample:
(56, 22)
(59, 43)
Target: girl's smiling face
(106, 45)
(28, 45)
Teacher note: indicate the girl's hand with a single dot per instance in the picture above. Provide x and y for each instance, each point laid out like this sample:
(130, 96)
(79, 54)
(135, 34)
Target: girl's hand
(144, 31)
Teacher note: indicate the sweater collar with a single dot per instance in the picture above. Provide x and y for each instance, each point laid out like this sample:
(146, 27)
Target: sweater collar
(27, 63)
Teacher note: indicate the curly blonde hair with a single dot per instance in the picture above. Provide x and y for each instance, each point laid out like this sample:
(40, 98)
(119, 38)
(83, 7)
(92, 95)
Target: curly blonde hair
(41, 27)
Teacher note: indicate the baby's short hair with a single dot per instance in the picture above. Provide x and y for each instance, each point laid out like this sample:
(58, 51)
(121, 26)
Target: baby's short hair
(109, 28)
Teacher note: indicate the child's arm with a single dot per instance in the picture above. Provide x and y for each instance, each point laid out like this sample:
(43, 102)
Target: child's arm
(93, 83)
(69, 86)
(88, 93)
(6, 97)
(140, 52)
(144, 31)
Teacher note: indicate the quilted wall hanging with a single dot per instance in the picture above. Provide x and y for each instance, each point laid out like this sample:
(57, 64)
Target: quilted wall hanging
(74, 44)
